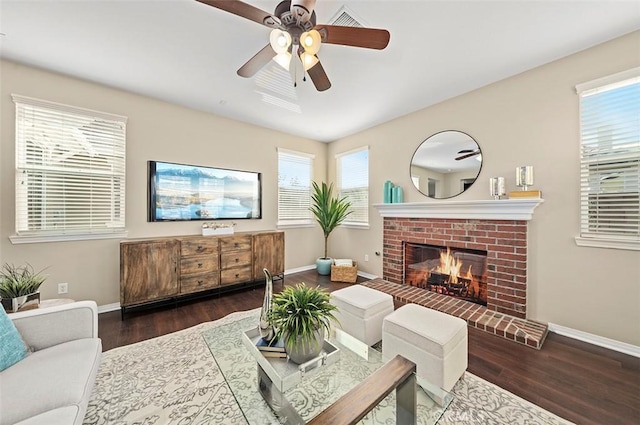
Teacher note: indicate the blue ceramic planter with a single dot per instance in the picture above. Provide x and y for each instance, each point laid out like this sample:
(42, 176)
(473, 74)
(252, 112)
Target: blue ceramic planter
(323, 265)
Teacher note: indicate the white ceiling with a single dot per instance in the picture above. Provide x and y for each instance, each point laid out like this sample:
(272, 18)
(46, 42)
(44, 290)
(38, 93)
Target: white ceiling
(187, 53)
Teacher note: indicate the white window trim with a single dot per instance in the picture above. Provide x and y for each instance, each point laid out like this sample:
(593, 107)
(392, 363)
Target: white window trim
(591, 87)
(355, 224)
(295, 224)
(17, 239)
(600, 83)
(607, 243)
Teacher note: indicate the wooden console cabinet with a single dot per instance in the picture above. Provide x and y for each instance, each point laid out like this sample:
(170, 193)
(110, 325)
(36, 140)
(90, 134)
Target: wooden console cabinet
(167, 268)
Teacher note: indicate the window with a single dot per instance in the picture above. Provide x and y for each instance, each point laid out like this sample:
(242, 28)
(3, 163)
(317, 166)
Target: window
(610, 161)
(295, 170)
(70, 172)
(353, 183)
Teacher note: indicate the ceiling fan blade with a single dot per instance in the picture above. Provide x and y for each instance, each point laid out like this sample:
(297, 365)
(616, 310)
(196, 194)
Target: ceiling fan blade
(245, 10)
(474, 153)
(370, 38)
(256, 63)
(319, 77)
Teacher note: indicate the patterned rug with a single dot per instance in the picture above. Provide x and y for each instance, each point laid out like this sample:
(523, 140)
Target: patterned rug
(173, 379)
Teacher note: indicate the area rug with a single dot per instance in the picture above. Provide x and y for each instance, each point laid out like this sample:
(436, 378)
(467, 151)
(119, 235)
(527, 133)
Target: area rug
(174, 379)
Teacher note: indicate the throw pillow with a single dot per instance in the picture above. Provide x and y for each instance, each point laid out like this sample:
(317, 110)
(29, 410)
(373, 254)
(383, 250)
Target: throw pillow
(12, 349)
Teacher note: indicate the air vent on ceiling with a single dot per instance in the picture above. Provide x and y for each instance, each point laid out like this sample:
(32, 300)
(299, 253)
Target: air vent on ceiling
(275, 87)
(345, 17)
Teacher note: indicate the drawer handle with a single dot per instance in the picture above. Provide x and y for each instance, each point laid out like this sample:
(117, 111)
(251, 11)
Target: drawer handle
(235, 244)
(199, 265)
(237, 259)
(237, 275)
(199, 248)
(200, 282)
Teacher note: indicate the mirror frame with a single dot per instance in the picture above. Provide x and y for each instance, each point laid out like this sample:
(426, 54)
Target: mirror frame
(431, 138)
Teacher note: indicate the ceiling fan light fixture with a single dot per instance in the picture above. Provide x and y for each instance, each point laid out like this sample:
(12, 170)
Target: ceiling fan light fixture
(280, 41)
(308, 60)
(283, 59)
(310, 41)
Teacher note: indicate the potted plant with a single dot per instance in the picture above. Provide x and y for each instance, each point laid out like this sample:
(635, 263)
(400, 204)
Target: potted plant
(19, 285)
(330, 212)
(300, 316)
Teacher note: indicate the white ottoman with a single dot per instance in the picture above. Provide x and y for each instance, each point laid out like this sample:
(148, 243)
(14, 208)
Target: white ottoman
(436, 342)
(361, 310)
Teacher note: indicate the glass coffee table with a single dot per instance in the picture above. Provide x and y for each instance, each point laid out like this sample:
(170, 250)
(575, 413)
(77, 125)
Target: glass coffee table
(317, 389)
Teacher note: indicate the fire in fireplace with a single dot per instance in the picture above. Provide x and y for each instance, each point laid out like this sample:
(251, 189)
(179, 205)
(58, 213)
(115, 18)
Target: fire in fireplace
(458, 272)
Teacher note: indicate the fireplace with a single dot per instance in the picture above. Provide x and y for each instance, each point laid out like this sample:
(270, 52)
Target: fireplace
(495, 231)
(457, 272)
(503, 242)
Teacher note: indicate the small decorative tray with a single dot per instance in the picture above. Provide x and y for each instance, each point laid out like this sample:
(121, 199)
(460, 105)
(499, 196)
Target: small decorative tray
(284, 373)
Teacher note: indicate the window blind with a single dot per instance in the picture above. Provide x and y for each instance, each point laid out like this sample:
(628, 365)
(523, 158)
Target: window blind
(70, 169)
(610, 158)
(353, 184)
(295, 171)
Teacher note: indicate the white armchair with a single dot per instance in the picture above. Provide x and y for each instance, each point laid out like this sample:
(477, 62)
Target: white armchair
(53, 384)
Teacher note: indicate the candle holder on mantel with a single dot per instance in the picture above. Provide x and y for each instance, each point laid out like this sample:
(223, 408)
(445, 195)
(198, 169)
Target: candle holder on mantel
(497, 187)
(524, 179)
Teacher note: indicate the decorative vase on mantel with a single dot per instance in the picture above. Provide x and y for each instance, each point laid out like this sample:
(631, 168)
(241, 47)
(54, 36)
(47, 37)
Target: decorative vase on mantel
(265, 327)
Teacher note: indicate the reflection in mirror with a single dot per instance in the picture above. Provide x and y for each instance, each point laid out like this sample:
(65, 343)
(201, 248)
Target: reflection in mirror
(446, 164)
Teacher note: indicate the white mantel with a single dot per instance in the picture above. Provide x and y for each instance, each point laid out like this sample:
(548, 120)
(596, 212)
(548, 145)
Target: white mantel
(502, 209)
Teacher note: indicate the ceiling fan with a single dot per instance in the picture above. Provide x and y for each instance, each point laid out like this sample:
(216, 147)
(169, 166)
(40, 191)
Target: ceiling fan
(295, 38)
(467, 153)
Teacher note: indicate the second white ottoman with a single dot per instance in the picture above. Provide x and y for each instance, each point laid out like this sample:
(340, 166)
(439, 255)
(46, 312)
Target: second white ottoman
(436, 342)
(361, 311)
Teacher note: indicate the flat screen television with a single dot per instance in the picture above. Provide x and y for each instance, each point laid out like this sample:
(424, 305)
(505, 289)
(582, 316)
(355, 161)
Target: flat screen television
(191, 192)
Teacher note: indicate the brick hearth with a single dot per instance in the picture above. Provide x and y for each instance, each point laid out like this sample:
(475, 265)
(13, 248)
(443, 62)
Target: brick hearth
(526, 332)
(505, 242)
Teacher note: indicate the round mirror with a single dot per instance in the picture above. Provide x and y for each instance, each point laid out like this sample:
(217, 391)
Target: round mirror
(446, 164)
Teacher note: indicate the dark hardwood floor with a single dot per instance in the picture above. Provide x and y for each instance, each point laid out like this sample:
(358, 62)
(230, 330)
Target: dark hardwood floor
(577, 381)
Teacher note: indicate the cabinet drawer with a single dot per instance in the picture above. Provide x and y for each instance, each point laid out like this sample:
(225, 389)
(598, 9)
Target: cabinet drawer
(201, 264)
(235, 243)
(199, 246)
(235, 259)
(199, 283)
(237, 275)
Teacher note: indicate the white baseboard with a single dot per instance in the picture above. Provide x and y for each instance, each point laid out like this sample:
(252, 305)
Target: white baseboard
(313, 266)
(300, 269)
(108, 307)
(367, 275)
(600, 341)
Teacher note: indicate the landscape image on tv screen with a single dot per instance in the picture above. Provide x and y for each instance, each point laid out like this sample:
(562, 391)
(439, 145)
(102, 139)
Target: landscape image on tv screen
(188, 192)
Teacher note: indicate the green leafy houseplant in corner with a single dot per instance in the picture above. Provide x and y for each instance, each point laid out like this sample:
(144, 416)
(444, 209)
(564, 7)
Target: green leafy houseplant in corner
(301, 316)
(19, 286)
(330, 212)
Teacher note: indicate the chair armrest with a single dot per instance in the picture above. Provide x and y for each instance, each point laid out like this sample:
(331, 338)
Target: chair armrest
(46, 327)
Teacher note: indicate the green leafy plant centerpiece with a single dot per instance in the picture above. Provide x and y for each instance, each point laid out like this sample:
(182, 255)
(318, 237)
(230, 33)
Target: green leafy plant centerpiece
(330, 211)
(19, 285)
(301, 316)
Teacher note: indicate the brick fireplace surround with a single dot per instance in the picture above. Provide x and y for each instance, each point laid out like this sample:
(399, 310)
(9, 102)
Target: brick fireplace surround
(497, 227)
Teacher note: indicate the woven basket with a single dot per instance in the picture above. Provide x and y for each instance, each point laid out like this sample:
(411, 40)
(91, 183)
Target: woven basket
(344, 273)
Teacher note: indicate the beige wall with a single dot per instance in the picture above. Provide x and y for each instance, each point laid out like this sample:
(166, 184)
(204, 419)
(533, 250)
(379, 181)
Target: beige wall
(529, 119)
(155, 131)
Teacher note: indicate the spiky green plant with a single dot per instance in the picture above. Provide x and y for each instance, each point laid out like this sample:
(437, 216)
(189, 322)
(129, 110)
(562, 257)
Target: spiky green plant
(16, 281)
(299, 311)
(330, 211)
